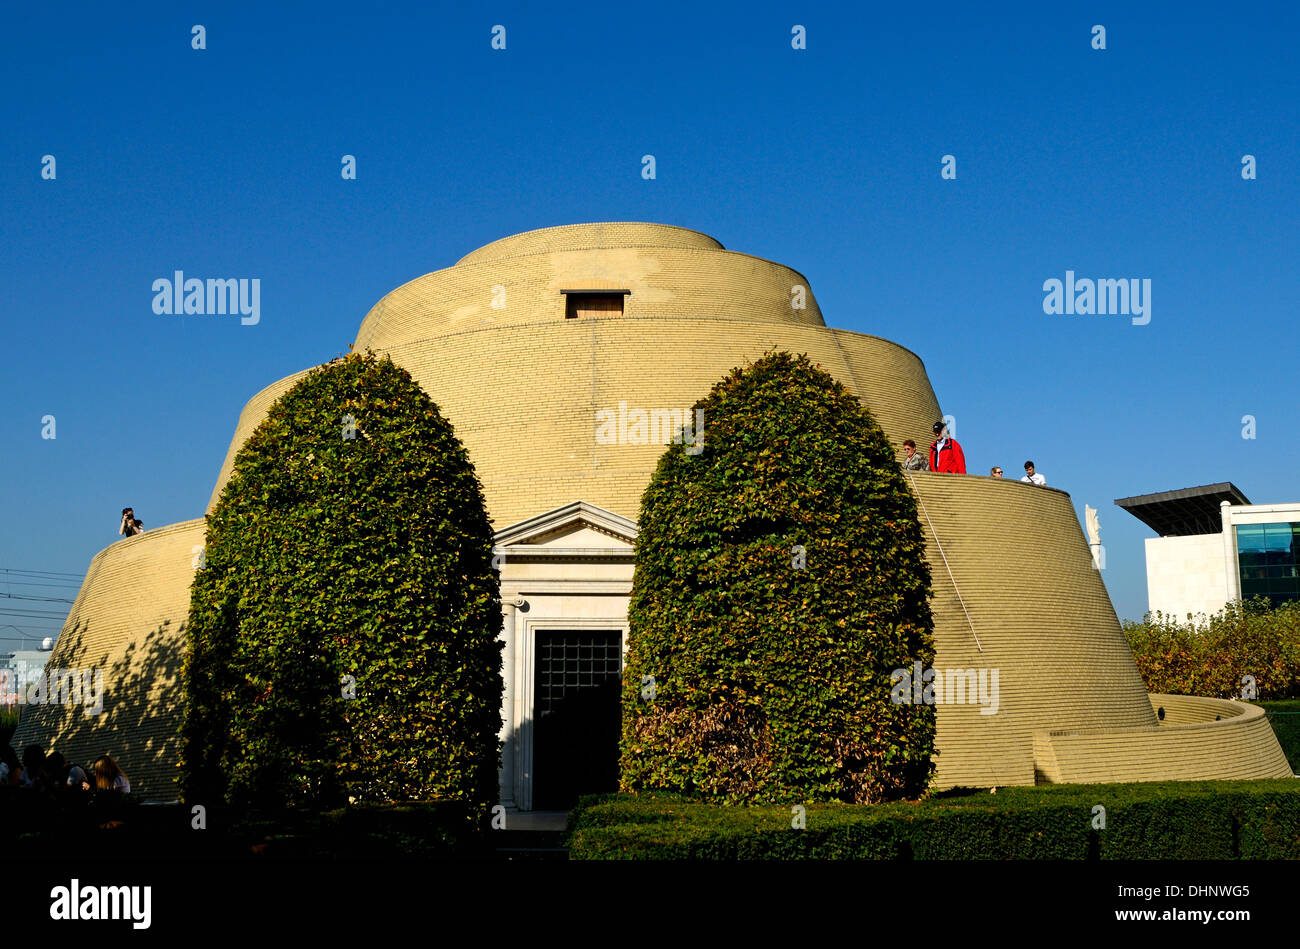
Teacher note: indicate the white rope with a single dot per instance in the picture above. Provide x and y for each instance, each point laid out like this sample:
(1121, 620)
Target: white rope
(935, 534)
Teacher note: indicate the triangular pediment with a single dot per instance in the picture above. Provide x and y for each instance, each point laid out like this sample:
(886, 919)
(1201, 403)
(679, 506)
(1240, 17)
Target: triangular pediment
(576, 529)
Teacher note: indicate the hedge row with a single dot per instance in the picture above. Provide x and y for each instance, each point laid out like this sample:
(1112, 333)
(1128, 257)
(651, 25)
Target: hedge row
(1167, 821)
(1212, 656)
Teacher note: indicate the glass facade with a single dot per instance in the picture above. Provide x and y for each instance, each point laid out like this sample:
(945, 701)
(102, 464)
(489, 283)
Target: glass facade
(1267, 560)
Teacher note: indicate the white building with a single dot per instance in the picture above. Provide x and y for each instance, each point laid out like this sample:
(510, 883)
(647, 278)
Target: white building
(1215, 547)
(20, 668)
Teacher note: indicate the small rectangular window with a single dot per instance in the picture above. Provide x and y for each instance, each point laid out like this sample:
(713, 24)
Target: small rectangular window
(589, 303)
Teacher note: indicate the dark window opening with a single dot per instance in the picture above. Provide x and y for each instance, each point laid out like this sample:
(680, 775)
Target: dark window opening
(588, 303)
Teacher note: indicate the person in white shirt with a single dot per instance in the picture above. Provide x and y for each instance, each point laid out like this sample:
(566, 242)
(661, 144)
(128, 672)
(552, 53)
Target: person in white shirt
(1031, 476)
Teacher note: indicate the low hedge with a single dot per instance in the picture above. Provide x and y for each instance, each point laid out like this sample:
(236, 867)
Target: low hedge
(1224, 820)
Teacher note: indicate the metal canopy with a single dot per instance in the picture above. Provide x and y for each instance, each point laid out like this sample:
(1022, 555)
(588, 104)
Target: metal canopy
(1184, 512)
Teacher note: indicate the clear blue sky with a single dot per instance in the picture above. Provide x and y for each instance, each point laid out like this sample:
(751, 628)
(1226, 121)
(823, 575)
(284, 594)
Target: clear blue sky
(225, 162)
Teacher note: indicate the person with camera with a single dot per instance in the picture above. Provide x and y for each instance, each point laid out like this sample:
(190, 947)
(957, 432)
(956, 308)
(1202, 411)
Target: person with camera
(130, 526)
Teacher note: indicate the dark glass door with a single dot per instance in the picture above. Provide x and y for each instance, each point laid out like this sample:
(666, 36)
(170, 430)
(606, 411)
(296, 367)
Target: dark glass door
(576, 716)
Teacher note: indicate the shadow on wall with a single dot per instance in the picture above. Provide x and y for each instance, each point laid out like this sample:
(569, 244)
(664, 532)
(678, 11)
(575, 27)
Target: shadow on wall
(139, 723)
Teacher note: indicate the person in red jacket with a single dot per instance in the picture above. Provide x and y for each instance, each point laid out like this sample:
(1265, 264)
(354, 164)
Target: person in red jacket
(945, 452)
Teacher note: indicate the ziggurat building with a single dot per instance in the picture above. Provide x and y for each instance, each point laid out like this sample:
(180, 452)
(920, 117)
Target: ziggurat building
(521, 344)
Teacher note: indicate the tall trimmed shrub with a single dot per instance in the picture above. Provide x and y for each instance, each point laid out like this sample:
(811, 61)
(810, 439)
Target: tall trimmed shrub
(780, 579)
(342, 638)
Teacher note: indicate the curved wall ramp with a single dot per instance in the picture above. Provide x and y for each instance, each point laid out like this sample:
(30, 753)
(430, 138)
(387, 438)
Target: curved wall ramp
(127, 623)
(1015, 591)
(1200, 739)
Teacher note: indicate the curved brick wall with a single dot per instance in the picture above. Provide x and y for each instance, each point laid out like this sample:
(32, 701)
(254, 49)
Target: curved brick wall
(1040, 611)
(665, 283)
(128, 620)
(602, 235)
(1190, 745)
(524, 399)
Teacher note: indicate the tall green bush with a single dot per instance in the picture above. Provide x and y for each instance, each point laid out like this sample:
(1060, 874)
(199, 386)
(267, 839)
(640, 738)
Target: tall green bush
(342, 638)
(780, 579)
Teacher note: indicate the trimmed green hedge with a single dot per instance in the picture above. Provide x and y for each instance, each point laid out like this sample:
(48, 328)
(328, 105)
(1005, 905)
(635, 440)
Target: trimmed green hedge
(780, 579)
(342, 638)
(1166, 821)
(1284, 716)
(1211, 657)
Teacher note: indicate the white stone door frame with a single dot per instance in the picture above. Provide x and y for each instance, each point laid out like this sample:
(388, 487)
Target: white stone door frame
(526, 684)
(569, 568)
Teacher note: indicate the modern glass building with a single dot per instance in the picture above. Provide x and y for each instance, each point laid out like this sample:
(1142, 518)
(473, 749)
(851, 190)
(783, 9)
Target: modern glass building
(1215, 547)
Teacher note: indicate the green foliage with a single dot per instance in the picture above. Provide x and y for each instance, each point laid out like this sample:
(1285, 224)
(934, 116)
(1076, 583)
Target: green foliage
(1284, 716)
(329, 557)
(1165, 821)
(771, 682)
(1210, 657)
(8, 723)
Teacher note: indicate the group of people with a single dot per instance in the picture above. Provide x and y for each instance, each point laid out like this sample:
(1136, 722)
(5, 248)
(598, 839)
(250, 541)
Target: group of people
(54, 774)
(946, 456)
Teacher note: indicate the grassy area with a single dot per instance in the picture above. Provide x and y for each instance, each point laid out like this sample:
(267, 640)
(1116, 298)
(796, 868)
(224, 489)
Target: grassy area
(1284, 716)
(1170, 820)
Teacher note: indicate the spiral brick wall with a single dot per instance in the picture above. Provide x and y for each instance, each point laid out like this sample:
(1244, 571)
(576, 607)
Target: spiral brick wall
(128, 620)
(1072, 706)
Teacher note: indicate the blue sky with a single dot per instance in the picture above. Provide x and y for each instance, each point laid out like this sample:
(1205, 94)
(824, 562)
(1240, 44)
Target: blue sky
(1117, 163)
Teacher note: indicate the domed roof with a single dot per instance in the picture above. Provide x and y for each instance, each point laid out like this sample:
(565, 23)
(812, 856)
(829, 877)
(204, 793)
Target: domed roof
(661, 270)
(588, 237)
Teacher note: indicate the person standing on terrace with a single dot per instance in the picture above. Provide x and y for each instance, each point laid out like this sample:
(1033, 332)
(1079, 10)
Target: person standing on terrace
(945, 452)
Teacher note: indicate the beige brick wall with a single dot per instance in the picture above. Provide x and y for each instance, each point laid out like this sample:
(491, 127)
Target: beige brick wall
(524, 399)
(670, 272)
(1190, 745)
(128, 620)
(1041, 613)
(597, 234)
